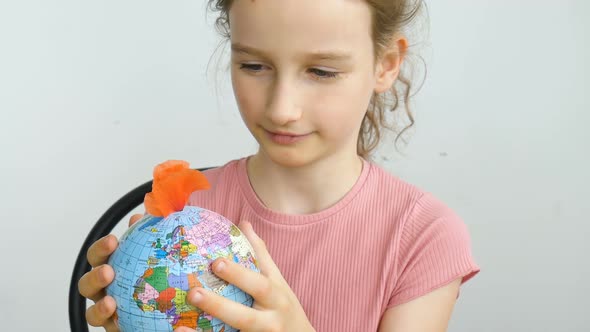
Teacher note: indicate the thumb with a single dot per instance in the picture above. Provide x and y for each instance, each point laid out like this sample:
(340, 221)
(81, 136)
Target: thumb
(134, 218)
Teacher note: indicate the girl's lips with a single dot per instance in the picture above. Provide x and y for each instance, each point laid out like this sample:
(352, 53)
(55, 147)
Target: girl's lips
(285, 138)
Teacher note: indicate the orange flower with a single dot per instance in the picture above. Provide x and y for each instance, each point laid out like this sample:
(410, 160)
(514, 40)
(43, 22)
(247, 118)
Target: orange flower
(173, 184)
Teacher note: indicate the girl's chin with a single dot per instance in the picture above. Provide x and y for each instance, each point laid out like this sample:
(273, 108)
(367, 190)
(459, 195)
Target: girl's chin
(288, 157)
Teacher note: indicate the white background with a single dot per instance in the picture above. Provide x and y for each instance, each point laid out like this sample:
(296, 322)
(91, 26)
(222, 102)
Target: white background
(93, 94)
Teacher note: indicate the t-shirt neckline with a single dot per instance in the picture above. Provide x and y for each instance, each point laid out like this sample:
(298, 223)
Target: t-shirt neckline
(295, 219)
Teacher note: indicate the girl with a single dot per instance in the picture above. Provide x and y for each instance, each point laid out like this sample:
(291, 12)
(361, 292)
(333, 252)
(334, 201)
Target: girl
(347, 246)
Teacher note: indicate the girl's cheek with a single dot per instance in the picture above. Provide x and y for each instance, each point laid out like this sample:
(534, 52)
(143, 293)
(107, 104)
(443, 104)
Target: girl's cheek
(245, 92)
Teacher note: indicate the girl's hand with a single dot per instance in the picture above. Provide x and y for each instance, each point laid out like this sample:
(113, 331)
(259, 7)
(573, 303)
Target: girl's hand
(276, 308)
(92, 284)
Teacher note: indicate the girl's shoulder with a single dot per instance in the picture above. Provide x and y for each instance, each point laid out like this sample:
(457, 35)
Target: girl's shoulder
(425, 230)
(411, 203)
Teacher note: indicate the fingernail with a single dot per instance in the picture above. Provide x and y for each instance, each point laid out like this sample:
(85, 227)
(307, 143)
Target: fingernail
(196, 297)
(219, 266)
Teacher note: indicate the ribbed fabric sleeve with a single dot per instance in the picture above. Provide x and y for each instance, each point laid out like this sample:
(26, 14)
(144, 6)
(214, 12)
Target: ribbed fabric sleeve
(434, 250)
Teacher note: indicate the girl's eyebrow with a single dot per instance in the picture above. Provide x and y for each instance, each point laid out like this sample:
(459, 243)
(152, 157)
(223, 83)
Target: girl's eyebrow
(318, 55)
(240, 48)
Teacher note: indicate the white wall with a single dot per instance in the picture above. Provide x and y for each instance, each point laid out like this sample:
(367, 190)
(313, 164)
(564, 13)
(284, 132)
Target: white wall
(94, 93)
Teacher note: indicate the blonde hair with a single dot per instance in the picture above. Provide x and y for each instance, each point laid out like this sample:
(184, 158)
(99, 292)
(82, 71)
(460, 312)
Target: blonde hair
(389, 18)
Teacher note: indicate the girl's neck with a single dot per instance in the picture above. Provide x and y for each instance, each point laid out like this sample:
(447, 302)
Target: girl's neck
(304, 190)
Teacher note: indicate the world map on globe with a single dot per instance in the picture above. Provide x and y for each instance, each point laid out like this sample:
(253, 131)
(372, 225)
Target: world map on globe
(160, 259)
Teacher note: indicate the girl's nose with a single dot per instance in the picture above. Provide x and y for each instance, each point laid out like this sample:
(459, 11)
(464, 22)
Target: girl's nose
(283, 106)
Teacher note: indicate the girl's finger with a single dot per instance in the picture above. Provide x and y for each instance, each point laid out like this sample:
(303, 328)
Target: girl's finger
(233, 313)
(257, 285)
(111, 326)
(134, 218)
(265, 262)
(100, 313)
(93, 283)
(100, 251)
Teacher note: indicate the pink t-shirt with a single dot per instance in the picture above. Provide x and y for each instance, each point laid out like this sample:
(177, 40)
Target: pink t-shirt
(384, 243)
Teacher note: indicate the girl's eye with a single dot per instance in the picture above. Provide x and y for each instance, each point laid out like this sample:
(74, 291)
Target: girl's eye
(323, 74)
(318, 73)
(251, 67)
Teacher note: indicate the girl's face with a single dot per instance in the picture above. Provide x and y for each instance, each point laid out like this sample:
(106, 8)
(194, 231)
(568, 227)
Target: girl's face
(303, 74)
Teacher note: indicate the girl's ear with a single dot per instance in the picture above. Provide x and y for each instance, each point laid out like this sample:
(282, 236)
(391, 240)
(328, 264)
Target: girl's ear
(388, 65)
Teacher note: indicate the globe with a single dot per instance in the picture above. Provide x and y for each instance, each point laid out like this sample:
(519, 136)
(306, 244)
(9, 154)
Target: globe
(160, 259)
